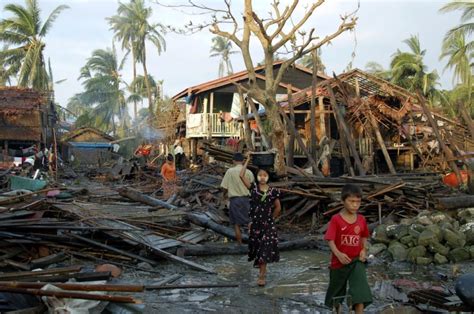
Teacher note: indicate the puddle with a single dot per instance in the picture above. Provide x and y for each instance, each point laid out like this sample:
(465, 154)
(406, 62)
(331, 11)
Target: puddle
(297, 284)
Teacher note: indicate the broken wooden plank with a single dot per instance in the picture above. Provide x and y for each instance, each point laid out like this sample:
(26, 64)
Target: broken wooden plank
(111, 248)
(54, 271)
(75, 286)
(71, 295)
(145, 199)
(48, 260)
(345, 130)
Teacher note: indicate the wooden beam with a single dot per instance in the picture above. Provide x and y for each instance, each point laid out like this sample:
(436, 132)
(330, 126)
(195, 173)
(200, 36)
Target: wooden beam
(292, 129)
(345, 129)
(314, 82)
(378, 136)
(448, 154)
(209, 116)
(71, 295)
(113, 249)
(145, 199)
(291, 142)
(467, 119)
(263, 134)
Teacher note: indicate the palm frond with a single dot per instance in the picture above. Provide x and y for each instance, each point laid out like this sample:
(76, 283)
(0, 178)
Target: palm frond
(51, 18)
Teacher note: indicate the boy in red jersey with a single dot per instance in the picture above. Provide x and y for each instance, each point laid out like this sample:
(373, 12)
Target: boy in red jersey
(347, 236)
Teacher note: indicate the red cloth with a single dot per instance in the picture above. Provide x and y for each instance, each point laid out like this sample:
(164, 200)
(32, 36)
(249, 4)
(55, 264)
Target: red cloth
(347, 237)
(144, 150)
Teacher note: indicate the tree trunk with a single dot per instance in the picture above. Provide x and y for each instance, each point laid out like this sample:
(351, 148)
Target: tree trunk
(278, 139)
(246, 126)
(148, 88)
(204, 221)
(455, 202)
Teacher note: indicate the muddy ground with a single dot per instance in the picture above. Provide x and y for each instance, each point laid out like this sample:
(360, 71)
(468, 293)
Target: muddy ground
(296, 284)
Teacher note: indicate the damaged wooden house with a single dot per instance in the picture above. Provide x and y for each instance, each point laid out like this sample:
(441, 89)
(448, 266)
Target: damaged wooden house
(212, 108)
(366, 125)
(87, 146)
(27, 118)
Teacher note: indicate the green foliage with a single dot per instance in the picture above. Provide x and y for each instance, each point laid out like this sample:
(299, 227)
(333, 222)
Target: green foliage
(133, 30)
(222, 47)
(409, 70)
(102, 102)
(307, 61)
(378, 70)
(24, 34)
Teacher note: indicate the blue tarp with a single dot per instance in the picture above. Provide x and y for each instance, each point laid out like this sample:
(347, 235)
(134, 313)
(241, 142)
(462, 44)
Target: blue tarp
(90, 145)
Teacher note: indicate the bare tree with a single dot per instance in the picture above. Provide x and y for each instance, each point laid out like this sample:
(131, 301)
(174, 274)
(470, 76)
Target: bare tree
(281, 32)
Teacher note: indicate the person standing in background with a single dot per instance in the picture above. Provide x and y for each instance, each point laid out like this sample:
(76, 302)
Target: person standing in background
(238, 194)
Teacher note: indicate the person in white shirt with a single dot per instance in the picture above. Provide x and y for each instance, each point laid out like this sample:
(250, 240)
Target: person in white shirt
(179, 156)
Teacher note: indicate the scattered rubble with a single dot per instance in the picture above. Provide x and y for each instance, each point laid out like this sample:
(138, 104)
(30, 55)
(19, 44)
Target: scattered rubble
(430, 237)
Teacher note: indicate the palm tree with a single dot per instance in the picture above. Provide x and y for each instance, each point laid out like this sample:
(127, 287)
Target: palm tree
(409, 71)
(467, 22)
(460, 51)
(137, 91)
(377, 69)
(307, 62)
(459, 57)
(222, 47)
(76, 107)
(125, 33)
(133, 29)
(103, 90)
(25, 32)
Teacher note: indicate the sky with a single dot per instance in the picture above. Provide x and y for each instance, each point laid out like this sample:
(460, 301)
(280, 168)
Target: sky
(381, 27)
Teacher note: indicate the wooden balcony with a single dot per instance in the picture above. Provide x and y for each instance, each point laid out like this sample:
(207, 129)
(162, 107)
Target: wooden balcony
(210, 125)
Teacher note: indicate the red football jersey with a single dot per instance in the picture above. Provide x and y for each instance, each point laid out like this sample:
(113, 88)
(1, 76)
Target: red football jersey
(346, 236)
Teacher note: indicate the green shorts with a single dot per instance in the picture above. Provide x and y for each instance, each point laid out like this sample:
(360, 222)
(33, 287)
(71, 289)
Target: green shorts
(355, 274)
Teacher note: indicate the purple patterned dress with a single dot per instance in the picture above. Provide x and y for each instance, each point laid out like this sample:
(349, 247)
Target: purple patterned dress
(263, 238)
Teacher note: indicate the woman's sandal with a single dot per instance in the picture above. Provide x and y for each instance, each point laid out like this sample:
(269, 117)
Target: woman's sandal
(261, 282)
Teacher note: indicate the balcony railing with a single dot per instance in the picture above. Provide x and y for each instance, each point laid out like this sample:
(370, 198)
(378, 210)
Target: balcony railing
(205, 124)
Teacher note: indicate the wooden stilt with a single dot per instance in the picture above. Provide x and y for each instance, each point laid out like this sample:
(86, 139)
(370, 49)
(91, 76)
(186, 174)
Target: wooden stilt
(291, 143)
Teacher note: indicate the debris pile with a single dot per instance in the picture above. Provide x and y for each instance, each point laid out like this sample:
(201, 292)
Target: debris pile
(430, 237)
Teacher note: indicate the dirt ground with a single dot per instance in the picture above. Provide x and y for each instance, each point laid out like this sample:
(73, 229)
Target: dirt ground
(297, 284)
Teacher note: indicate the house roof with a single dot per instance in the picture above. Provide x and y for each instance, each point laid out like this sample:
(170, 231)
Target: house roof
(20, 99)
(368, 84)
(237, 77)
(75, 133)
